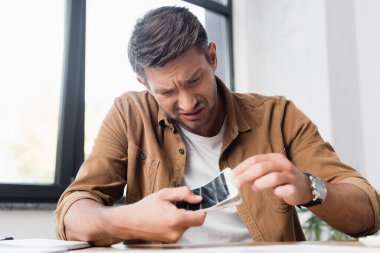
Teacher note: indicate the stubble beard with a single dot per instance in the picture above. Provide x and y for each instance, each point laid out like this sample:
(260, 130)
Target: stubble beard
(196, 128)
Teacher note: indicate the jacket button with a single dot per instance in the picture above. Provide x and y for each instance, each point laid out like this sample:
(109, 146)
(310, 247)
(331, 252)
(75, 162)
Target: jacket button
(175, 183)
(181, 151)
(142, 156)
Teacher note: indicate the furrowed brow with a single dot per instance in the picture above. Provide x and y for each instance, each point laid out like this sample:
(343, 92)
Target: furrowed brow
(197, 72)
(164, 90)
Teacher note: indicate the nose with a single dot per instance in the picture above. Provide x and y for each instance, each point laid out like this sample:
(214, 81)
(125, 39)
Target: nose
(187, 101)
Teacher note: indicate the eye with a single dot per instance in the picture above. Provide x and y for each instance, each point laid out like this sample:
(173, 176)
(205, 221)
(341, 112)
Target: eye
(195, 80)
(166, 93)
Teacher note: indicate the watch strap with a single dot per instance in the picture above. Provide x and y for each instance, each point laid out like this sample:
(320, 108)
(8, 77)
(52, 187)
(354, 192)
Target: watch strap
(312, 203)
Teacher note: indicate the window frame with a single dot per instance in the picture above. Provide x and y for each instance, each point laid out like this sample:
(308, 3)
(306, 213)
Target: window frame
(70, 143)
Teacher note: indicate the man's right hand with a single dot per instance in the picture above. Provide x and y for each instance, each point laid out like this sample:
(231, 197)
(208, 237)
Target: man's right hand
(154, 218)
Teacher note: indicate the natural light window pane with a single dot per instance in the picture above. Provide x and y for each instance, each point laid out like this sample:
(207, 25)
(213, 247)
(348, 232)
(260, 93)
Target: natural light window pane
(31, 49)
(108, 73)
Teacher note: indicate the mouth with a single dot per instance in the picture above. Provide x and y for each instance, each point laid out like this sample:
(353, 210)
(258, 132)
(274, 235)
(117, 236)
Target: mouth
(194, 115)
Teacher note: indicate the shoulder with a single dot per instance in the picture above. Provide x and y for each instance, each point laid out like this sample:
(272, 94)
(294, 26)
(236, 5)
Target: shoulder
(133, 109)
(270, 109)
(137, 101)
(258, 100)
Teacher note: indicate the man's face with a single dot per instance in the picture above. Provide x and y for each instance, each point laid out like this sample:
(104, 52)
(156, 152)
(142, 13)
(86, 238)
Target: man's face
(186, 91)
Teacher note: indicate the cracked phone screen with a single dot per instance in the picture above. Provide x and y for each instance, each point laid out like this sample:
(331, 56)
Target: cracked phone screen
(214, 192)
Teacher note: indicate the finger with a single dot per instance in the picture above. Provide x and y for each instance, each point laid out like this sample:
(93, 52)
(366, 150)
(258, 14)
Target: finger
(193, 198)
(179, 194)
(255, 172)
(191, 218)
(289, 194)
(284, 191)
(253, 160)
(270, 181)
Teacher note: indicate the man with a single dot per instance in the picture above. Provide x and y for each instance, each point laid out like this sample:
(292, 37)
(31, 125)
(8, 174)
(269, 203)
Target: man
(182, 131)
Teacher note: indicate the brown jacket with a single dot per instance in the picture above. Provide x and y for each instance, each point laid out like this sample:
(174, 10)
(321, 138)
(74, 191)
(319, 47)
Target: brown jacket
(139, 146)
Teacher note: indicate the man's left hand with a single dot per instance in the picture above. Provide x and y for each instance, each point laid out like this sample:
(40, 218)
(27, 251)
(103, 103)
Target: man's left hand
(274, 172)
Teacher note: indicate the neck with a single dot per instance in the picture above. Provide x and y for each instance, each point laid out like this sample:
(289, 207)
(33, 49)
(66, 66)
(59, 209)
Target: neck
(217, 119)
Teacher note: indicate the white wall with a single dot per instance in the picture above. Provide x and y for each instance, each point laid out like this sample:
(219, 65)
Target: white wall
(27, 224)
(274, 47)
(368, 41)
(321, 54)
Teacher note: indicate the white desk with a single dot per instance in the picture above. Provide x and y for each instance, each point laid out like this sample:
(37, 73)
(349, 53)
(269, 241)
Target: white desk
(297, 247)
(56, 246)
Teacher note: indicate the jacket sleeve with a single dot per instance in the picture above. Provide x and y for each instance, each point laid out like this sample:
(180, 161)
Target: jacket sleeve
(302, 139)
(102, 177)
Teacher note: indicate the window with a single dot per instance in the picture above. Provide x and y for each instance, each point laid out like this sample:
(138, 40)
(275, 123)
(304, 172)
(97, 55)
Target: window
(31, 52)
(31, 58)
(61, 57)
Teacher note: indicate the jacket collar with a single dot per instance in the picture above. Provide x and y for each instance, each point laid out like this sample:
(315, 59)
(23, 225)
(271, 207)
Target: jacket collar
(235, 118)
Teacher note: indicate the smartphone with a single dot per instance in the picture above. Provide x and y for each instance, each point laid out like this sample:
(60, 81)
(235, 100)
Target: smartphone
(218, 193)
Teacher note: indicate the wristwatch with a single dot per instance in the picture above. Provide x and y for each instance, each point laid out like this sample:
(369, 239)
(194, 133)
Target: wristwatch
(318, 189)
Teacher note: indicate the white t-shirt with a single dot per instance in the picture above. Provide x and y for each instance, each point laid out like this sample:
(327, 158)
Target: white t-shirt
(223, 225)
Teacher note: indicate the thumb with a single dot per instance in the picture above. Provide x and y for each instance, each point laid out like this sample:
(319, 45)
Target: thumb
(180, 194)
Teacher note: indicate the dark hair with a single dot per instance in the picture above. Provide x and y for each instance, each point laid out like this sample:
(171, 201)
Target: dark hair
(163, 34)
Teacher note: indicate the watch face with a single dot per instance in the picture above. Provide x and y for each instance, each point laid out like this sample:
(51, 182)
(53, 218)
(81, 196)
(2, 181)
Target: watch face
(319, 187)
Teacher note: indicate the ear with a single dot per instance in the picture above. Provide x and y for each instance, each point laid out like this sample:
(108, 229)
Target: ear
(143, 82)
(213, 55)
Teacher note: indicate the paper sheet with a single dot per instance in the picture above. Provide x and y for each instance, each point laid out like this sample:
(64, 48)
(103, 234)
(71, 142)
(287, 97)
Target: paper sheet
(40, 245)
(9, 249)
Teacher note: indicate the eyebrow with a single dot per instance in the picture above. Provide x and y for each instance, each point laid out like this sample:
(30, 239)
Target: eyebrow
(163, 90)
(193, 75)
